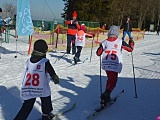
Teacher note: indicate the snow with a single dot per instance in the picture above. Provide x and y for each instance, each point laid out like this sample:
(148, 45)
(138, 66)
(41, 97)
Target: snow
(81, 83)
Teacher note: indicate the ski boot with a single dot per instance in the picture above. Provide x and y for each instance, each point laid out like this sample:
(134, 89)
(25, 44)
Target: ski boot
(49, 116)
(105, 98)
(78, 60)
(75, 60)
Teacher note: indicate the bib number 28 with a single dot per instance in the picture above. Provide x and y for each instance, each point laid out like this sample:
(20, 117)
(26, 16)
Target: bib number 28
(32, 79)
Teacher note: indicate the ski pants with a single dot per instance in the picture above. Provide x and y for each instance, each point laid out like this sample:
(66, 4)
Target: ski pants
(112, 80)
(78, 53)
(71, 39)
(28, 105)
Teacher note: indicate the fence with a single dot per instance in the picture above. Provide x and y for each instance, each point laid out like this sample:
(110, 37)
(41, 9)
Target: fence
(57, 39)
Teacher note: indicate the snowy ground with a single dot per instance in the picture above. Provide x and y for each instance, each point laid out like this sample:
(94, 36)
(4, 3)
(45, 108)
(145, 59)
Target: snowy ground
(81, 83)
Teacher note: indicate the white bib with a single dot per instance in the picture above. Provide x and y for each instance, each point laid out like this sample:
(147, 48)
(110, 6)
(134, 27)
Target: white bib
(35, 81)
(80, 40)
(112, 55)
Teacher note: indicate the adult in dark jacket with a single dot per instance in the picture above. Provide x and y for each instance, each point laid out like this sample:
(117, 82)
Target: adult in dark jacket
(73, 28)
(127, 28)
(0, 19)
(158, 29)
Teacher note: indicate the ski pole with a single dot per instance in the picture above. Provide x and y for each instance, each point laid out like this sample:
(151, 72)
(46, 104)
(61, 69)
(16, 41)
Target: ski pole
(100, 76)
(59, 58)
(1, 39)
(135, 88)
(91, 49)
(16, 50)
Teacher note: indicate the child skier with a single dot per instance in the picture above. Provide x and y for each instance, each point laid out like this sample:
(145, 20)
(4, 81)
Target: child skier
(80, 42)
(36, 82)
(111, 51)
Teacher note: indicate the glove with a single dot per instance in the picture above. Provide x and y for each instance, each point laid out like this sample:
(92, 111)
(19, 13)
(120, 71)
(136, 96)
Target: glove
(56, 79)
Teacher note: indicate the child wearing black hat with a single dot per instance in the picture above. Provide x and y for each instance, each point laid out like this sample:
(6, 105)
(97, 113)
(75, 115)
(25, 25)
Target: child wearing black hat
(38, 73)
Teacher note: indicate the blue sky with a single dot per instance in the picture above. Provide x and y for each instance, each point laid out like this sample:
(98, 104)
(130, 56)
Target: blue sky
(41, 10)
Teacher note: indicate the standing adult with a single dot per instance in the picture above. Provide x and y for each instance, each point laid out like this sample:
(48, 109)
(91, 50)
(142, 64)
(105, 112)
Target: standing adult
(0, 30)
(0, 20)
(73, 27)
(127, 28)
(158, 29)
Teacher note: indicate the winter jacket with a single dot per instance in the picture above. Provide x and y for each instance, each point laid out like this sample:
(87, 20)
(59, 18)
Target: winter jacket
(48, 66)
(80, 38)
(128, 47)
(127, 26)
(0, 21)
(72, 27)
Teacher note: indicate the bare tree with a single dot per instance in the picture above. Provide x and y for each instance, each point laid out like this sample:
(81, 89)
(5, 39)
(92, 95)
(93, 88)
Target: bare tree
(9, 9)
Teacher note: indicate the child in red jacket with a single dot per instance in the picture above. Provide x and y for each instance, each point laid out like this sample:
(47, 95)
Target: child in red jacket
(111, 51)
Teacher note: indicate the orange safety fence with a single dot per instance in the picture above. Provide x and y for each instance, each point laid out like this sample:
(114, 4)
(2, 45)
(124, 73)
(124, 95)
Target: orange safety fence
(57, 39)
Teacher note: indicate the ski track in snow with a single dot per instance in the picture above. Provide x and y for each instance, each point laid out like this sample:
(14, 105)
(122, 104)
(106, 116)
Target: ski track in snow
(80, 82)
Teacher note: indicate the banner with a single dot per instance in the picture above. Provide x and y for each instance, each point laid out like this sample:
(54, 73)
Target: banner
(24, 25)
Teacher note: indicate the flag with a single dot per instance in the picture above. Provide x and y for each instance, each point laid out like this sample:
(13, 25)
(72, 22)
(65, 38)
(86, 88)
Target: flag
(24, 25)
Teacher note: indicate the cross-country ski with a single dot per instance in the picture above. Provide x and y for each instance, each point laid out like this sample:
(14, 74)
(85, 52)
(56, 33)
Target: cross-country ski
(54, 53)
(100, 108)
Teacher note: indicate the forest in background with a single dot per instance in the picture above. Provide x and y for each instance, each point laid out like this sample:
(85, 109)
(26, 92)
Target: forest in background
(142, 12)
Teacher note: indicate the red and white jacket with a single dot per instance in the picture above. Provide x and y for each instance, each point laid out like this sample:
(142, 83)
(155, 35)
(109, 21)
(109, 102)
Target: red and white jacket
(81, 38)
(111, 51)
(73, 27)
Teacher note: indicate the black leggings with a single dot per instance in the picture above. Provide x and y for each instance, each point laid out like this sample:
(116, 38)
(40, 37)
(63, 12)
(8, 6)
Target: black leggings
(28, 105)
(71, 39)
(78, 53)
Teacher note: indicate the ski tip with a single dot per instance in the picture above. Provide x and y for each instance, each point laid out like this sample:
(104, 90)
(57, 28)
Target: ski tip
(122, 90)
(74, 105)
(136, 97)
(115, 99)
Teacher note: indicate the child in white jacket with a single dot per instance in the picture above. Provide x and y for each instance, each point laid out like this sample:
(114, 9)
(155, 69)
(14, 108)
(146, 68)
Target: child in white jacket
(79, 43)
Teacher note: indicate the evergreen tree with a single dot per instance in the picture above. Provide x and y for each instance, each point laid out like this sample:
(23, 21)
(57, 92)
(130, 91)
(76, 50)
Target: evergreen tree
(114, 11)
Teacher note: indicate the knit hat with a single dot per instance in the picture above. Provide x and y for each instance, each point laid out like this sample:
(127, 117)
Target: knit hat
(113, 31)
(40, 46)
(74, 14)
(83, 27)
